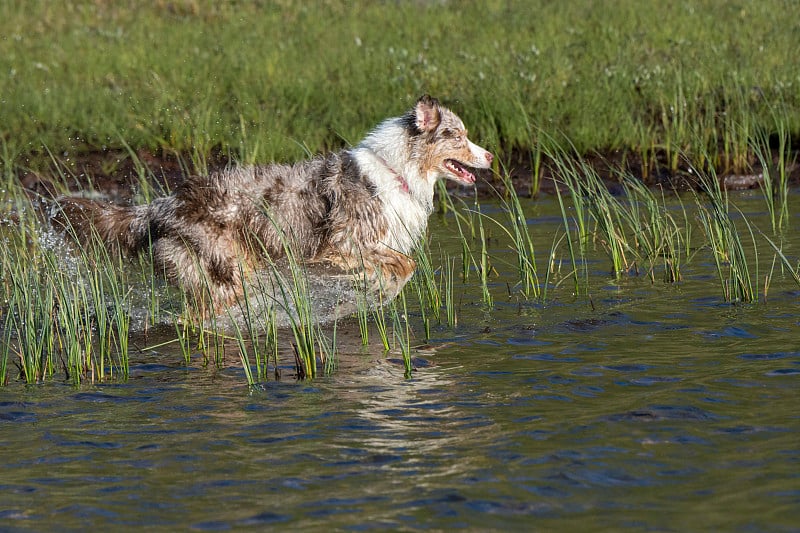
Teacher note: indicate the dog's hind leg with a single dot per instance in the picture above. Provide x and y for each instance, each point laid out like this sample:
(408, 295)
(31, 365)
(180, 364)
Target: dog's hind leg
(211, 283)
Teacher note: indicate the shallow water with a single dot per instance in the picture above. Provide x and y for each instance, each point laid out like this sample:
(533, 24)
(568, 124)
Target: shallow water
(648, 407)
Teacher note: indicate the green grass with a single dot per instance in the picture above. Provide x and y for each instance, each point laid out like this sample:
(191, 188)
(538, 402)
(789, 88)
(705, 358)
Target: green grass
(60, 314)
(725, 241)
(259, 82)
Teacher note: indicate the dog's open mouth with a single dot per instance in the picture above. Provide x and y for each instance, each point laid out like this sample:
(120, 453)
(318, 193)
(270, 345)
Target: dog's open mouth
(459, 171)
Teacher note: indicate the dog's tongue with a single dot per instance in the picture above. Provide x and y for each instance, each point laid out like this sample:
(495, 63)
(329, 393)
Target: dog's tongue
(459, 171)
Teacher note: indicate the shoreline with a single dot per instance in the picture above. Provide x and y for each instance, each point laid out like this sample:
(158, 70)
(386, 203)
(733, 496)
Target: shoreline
(117, 175)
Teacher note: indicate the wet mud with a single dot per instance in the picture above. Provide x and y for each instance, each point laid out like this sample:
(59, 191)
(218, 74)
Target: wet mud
(116, 175)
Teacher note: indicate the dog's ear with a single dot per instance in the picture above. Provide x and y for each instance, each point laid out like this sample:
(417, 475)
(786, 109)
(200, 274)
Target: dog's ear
(427, 114)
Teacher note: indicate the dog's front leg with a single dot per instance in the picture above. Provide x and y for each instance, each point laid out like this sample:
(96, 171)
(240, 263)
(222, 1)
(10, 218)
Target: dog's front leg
(393, 268)
(386, 270)
(381, 268)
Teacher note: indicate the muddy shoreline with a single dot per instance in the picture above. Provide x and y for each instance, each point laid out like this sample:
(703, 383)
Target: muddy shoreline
(114, 174)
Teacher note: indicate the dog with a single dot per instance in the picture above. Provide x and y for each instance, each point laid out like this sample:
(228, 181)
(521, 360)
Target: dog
(361, 209)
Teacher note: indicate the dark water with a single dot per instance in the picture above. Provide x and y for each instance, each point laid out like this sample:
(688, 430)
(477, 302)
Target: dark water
(652, 407)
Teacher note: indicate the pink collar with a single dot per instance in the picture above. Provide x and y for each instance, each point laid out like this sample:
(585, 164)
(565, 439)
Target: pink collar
(400, 179)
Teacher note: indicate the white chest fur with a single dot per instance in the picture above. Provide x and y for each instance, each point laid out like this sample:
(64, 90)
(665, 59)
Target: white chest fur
(407, 198)
(408, 220)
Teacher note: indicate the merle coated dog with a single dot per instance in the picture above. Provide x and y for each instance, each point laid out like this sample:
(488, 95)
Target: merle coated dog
(362, 209)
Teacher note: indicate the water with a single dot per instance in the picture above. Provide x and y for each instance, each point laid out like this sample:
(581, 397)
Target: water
(650, 407)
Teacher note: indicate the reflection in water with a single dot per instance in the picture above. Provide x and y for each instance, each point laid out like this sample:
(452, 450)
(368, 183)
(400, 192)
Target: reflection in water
(415, 422)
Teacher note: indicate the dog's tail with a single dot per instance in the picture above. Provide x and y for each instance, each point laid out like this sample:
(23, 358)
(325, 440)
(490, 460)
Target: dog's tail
(120, 229)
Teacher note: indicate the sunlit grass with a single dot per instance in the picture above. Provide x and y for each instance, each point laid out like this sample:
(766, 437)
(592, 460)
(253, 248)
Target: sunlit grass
(656, 80)
(68, 316)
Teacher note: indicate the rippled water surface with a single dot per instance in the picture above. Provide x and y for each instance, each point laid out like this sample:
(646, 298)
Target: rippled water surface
(648, 407)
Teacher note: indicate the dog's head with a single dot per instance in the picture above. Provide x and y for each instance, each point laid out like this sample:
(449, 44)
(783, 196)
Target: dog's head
(441, 143)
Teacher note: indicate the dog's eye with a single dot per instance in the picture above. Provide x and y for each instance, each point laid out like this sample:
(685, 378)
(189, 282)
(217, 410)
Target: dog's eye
(457, 135)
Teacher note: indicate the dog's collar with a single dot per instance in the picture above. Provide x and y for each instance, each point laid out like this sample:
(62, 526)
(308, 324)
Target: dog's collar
(399, 177)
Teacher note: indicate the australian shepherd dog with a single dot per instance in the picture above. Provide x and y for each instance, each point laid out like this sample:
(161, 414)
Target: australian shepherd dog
(362, 210)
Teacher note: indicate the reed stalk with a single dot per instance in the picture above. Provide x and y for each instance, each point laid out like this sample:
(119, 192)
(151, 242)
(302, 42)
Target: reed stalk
(571, 247)
(485, 265)
(379, 316)
(448, 274)
(402, 330)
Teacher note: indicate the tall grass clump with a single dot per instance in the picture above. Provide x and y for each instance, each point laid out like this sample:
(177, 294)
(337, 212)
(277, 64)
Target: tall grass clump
(566, 165)
(387, 311)
(66, 312)
(279, 294)
(775, 170)
(248, 340)
(465, 224)
(295, 299)
(290, 292)
(94, 312)
(635, 228)
(659, 240)
(108, 289)
(426, 287)
(448, 290)
(592, 202)
(725, 242)
(31, 334)
(607, 213)
(398, 310)
(363, 311)
(517, 229)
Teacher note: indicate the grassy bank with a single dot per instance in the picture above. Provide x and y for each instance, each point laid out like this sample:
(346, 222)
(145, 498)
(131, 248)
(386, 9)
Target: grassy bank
(652, 80)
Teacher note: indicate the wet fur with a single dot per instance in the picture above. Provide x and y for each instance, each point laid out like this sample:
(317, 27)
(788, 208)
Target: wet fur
(361, 209)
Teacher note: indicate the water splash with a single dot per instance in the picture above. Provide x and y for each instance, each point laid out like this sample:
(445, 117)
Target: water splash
(285, 295)
(276, 294)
